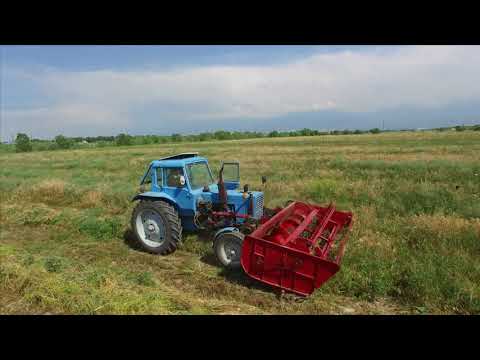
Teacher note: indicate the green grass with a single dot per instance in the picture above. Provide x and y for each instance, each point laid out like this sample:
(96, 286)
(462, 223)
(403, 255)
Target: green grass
(414, 247)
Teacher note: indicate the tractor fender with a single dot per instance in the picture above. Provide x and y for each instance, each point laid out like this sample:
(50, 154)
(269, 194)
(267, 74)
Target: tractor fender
(224, 230)
(156, 196)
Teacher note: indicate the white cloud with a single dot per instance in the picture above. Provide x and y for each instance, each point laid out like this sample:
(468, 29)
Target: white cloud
(419, 76)
(69, 119)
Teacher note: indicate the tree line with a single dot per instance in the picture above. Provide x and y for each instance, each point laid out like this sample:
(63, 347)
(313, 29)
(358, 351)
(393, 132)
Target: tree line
(23, 143)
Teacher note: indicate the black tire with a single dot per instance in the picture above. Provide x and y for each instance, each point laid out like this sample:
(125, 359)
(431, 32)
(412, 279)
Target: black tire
(171, 221)
(224, 241)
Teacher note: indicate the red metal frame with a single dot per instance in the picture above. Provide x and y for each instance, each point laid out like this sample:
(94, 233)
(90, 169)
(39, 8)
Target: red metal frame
(293, 249)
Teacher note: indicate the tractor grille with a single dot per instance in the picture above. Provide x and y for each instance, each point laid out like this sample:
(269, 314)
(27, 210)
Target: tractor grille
(258, 206)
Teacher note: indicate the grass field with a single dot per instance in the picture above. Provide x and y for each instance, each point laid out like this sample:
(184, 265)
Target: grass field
(414, 247)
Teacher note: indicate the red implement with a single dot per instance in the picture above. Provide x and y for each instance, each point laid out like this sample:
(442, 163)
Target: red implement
(299, 248)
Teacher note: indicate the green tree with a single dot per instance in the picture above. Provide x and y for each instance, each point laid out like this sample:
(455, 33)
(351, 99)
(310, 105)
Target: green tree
(123, 140)
(305, 132)
(176, 137)
(222, 135)
(22, 143)
(375, 131)
(205, 136)
(62, 142)
(460, 128)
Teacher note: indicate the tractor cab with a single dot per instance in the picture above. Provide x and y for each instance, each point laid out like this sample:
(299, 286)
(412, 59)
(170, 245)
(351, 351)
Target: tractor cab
(179, 167)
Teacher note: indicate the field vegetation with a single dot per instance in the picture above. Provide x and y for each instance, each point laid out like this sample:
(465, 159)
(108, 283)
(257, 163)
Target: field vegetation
(415, 246)
(22, 143)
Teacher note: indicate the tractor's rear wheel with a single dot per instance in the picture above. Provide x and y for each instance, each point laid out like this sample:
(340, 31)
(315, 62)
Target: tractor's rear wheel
(228, 248)
(157, 227)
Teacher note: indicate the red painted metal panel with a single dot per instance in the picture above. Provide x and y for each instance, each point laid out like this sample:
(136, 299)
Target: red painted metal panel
(298, 249)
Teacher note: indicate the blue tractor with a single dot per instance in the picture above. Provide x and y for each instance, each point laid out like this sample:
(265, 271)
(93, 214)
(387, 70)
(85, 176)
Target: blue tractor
(183, 195)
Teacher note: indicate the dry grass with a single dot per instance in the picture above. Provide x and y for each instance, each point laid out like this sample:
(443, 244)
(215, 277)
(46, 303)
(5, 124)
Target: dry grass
(49, 190)
(91, 199)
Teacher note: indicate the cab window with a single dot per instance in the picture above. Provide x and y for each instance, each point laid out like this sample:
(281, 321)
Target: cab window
(199, 175)
(173, 177)
(159, 177)
(231, 171)
(146, 183)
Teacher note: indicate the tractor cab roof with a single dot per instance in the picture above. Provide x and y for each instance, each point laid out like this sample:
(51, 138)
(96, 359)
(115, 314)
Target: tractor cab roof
(180, 156)
(178, 160)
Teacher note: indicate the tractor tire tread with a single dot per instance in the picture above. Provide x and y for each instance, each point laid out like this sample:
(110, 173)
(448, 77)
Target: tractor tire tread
(174, 222)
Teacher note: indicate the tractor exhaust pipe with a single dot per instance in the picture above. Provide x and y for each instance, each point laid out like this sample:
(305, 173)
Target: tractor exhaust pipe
(222, 193)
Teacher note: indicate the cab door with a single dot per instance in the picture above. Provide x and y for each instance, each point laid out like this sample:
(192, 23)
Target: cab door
(178, 190)
(231, 174)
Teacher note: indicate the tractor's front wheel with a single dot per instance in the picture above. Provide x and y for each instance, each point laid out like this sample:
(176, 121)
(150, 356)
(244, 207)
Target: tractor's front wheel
(228, 248)
(157, 227)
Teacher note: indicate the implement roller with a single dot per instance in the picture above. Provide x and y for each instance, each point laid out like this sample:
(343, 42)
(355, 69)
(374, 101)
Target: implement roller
(299, 248)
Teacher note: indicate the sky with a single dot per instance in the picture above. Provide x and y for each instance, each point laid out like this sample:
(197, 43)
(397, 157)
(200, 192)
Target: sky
(106, 90)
